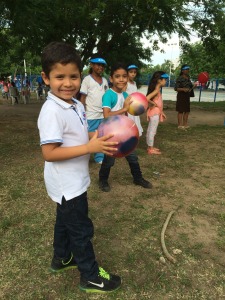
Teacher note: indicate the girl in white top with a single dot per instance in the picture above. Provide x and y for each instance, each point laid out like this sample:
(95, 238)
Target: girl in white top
(92, 89)
(131, 88)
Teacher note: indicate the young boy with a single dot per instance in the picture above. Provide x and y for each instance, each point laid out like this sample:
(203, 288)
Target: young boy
(92, 89)
(115, 102)
(66, 149)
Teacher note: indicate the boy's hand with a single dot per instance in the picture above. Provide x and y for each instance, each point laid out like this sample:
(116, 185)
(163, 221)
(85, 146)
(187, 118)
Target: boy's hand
(101, 145)
(127, 103)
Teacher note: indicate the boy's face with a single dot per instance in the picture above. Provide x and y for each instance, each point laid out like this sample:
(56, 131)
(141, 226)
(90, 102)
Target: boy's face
(119, 80)
(64, 81)
(132, 73)
(98, 69)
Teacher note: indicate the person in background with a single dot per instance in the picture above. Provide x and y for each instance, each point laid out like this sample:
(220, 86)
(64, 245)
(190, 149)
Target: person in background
(92, 89)
(155, 112)
(39, 92)
(14, 93)
(117, 102)
(5, 90)
(184, 87)
(26, 93)
(46, 90)
(131, 87)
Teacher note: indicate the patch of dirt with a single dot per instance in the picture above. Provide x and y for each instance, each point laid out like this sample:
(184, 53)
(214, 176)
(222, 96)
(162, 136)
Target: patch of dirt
(198, 117)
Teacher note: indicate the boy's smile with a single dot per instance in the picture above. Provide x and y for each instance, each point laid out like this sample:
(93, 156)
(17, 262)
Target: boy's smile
(119, 80)
(64, 81)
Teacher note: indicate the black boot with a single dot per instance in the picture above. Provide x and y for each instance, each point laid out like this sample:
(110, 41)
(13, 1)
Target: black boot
(103, 178)
(137, 176)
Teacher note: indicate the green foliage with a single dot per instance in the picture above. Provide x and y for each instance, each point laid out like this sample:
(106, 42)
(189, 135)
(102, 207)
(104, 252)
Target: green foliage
(201, 60)
(208, 22)
(112, 27)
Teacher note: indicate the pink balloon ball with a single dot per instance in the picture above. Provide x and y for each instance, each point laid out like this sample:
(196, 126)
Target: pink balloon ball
(139, 104)
(124, 131)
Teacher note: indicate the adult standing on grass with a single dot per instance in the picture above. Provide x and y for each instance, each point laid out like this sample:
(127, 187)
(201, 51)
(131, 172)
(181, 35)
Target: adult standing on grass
(6, 90)
(14, 93)
(39, 92)
(184, 88)
(26, 93)
(66, 149)
(92, 89)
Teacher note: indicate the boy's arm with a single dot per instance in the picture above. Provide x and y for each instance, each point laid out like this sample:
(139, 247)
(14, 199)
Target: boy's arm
(152, 95)
(84, 90)
(55, 152)
(107, 112)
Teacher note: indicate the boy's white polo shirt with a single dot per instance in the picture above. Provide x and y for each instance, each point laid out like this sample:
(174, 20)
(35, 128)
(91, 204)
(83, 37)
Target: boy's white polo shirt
(58, 122)
(94, 92)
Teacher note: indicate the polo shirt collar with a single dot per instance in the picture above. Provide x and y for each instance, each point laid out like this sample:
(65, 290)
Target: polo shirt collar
(60, 102)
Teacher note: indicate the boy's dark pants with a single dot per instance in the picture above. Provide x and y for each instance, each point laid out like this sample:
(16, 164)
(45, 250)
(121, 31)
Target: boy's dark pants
(109, 161)
(73, 232)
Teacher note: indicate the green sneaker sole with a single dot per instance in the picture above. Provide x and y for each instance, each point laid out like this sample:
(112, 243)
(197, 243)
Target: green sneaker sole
(62, 270)
(92, 290)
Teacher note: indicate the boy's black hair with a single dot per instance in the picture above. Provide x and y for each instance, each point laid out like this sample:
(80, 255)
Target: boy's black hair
(117, 66)
(59, 52)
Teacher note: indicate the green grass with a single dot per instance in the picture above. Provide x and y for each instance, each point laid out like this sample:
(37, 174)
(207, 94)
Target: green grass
(207, 106)
(128, 221)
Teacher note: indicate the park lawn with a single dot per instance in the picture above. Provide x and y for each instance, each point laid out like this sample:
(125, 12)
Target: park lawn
(187, 178)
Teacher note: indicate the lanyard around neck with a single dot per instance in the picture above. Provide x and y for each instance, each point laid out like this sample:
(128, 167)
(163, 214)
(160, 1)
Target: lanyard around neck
(75, 109)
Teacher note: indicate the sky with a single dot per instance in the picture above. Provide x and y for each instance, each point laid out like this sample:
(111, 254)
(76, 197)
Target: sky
(171, 48)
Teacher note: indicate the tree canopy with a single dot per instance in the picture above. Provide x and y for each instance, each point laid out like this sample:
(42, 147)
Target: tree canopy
(200, 60)
(113, 28)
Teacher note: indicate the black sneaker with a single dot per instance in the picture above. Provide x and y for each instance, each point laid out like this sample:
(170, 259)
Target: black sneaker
(104, 186)
(144, 183)
(59, 265)
(104, 283)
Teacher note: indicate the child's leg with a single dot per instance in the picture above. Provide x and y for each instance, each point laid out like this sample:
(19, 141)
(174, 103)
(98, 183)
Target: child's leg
(104, 171)
(92, 127)
(132, 160)
(73, 233)
(151, 131)
(135, 169)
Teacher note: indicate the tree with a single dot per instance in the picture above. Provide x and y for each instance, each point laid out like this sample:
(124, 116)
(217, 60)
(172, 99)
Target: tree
(209, 22)
(112, 27)
(200, 60)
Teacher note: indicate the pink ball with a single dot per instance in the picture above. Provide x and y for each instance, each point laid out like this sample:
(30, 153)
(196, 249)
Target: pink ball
(139, 104)
(125, 132)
